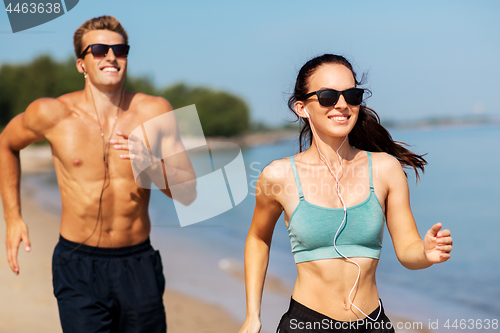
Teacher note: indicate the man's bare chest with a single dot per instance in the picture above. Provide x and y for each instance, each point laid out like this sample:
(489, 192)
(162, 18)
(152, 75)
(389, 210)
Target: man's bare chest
(81, 148)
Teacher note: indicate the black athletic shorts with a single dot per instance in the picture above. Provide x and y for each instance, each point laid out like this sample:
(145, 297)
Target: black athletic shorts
(301, 319)
(109, 289)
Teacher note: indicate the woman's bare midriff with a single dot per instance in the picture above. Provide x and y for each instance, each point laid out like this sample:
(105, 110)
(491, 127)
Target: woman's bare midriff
(324, 286)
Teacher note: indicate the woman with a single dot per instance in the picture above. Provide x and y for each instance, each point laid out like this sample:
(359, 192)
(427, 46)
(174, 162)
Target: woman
(336, 196)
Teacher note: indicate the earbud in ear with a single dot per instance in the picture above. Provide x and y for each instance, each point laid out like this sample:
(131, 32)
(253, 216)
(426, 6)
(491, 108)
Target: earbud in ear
(307, 114)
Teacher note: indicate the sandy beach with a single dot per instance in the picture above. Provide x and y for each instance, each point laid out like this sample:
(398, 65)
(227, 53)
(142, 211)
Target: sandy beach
(28, 304)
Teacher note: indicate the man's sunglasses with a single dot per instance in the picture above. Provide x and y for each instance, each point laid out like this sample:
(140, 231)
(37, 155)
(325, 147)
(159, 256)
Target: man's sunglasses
(101, 50)
(330, 97)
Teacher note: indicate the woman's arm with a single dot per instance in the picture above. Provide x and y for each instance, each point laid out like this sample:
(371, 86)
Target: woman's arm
(266, 213)
(412, 252)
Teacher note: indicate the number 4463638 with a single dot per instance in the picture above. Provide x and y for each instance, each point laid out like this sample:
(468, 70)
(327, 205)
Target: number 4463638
(472, 324)
(34, 8)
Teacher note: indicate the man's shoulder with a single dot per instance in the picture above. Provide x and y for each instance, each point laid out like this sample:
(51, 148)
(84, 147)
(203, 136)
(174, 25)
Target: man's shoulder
(43, 104)
(46, 107)
(46, 112)
(59, 104)
(148, 104)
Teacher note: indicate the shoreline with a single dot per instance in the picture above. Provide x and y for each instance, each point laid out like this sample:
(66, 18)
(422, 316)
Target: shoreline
(38, 158)
(249, 140)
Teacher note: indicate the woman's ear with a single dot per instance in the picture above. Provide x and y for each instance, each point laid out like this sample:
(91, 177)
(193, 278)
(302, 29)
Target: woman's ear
(300, 109)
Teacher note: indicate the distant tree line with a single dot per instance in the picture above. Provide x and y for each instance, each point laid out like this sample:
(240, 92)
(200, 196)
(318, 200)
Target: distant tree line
(221, 113)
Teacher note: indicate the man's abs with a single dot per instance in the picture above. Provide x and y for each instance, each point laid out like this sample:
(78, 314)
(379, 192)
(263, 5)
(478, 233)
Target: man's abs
(119, 219)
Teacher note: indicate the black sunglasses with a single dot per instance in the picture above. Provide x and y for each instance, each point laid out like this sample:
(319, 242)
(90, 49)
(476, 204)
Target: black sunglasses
(330, 97)
(101, 50)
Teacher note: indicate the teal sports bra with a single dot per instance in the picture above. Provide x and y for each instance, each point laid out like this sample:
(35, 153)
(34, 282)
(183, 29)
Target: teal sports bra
(312, 228)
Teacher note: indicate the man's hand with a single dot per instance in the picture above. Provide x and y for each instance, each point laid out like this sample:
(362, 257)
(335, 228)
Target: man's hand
(131, 144)
(135, 150)
(174, 170)
(17, 231)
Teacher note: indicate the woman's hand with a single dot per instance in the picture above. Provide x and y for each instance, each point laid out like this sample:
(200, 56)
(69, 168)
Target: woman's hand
(437, 244)
(251, 325)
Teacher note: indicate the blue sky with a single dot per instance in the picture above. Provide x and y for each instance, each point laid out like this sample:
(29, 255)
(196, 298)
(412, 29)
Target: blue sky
(423, 58)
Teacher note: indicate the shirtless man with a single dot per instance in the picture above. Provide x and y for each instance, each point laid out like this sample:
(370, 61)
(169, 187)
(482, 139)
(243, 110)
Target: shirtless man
(106, 275)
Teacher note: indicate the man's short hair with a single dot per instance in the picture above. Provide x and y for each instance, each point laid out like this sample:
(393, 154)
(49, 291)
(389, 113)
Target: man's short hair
(105, 22)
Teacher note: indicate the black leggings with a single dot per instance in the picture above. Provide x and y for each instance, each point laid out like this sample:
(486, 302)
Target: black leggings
(300, 319)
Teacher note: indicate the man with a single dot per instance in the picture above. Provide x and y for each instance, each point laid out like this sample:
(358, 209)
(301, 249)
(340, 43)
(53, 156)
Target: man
(106, 275)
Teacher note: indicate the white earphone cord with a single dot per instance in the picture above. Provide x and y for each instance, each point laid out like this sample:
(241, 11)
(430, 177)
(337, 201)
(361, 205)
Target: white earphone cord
(323, 158)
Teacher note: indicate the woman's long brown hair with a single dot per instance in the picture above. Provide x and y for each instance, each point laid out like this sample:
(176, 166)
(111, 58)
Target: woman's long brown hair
(367, 134)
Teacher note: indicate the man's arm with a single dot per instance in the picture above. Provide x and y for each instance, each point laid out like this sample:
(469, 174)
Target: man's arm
(162, 139)
(177, 167)
(25, 129)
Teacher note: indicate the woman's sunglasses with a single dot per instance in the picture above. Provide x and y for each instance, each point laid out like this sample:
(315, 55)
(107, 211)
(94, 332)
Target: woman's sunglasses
(101, 50)
(330, 97)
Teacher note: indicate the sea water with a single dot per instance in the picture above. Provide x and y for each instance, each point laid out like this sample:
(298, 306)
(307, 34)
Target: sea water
(460, 188)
